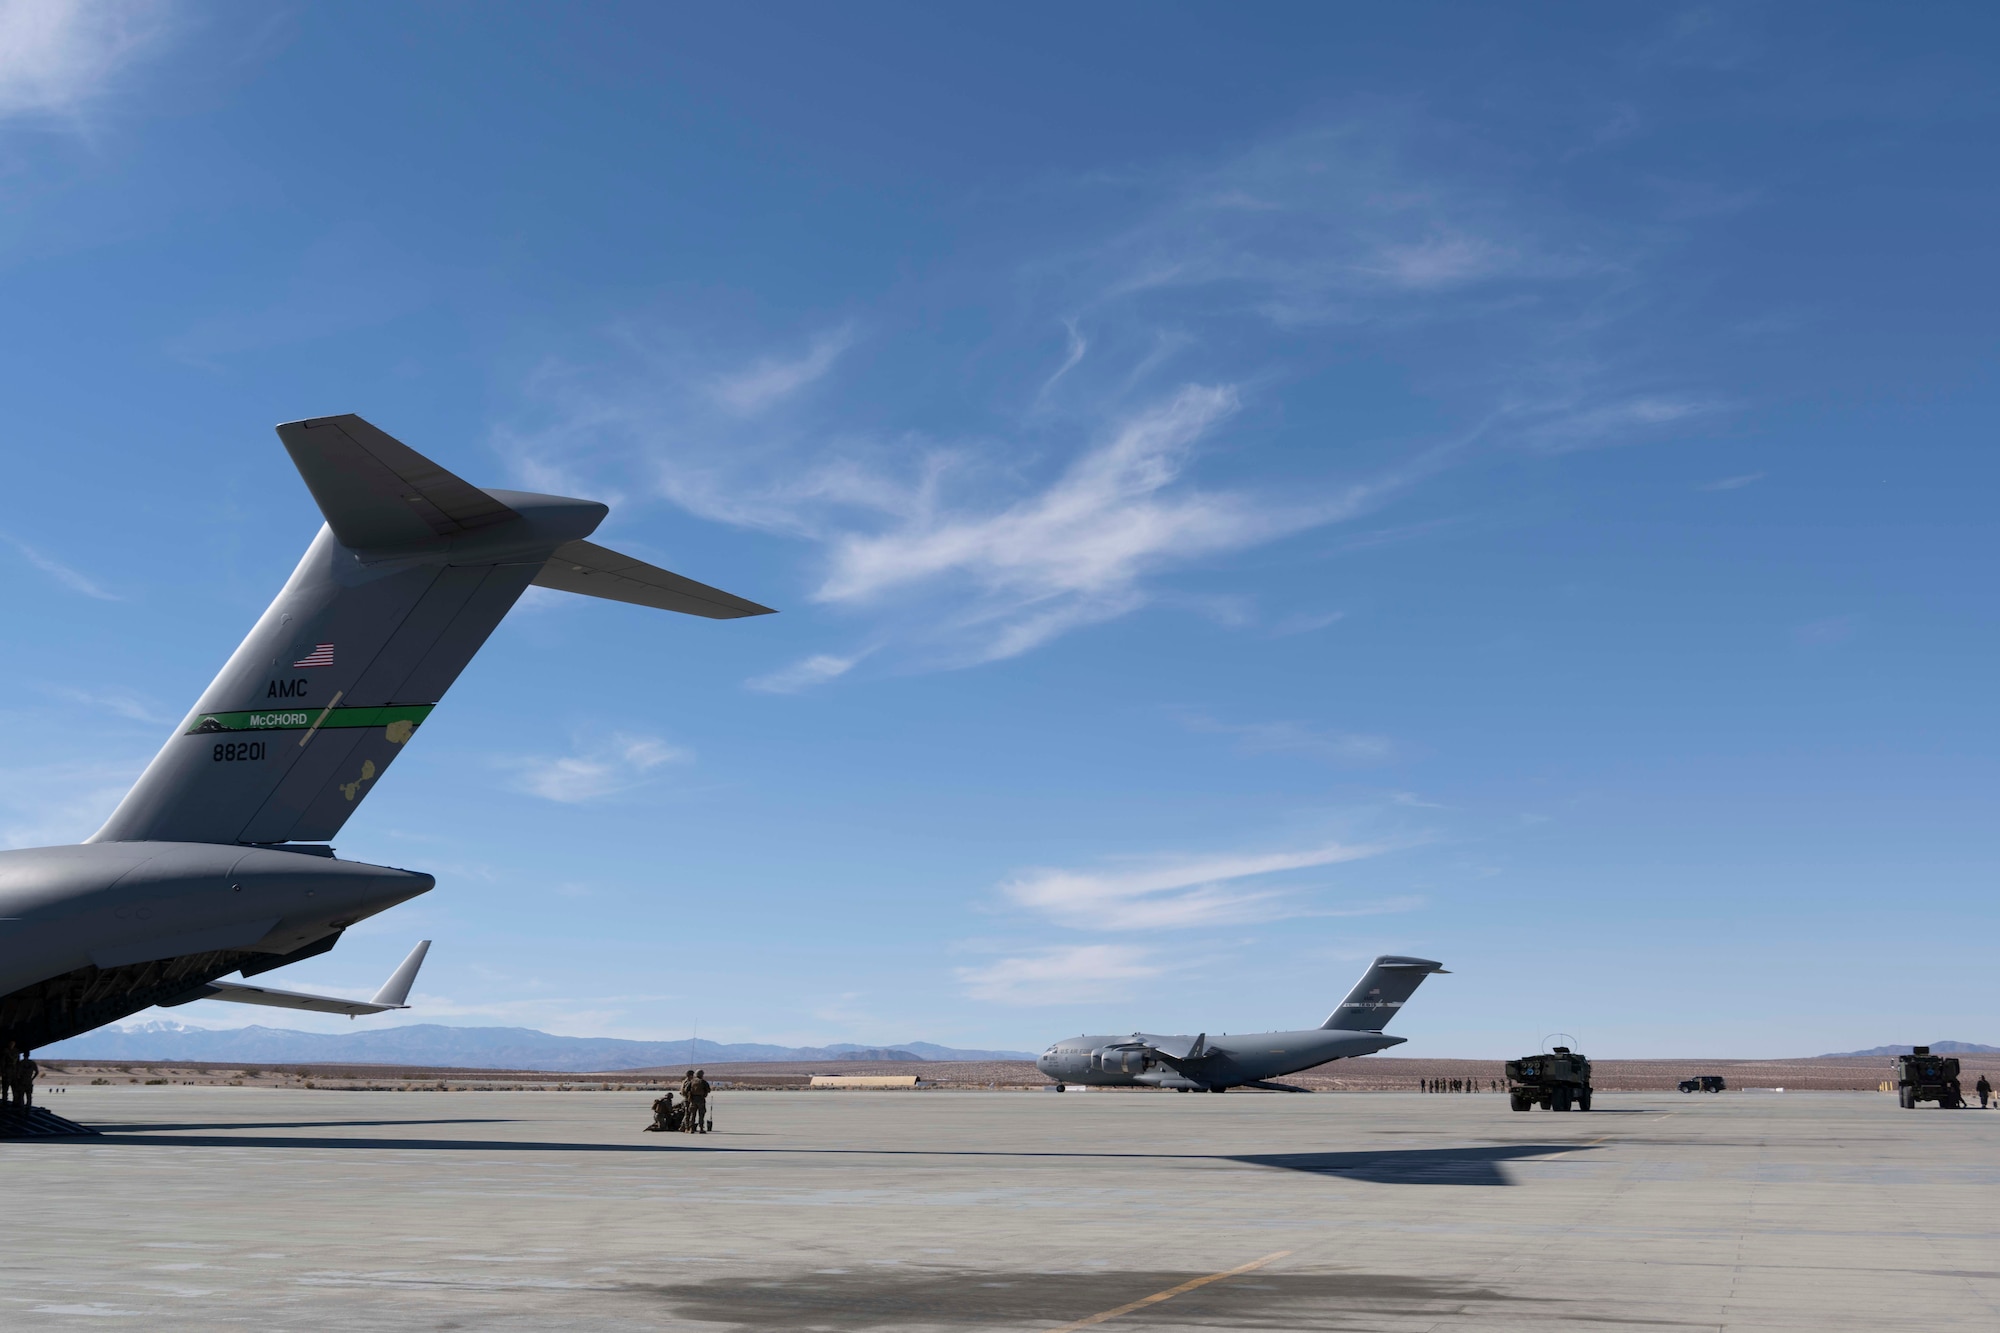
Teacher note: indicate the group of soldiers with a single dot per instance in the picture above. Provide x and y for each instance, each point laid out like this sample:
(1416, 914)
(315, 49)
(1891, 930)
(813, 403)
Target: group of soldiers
(691, 1116)
(17, 1077)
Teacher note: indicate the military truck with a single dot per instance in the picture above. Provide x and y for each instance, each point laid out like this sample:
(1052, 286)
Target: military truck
(1556, 1081)
(1704, 1083)
(1923, 1077)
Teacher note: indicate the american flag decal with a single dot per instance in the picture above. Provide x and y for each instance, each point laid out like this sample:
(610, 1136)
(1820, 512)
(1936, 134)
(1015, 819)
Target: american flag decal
(319, 656)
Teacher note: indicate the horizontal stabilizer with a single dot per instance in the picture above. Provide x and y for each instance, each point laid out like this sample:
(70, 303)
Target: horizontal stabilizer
(597, 571)
(377, 492)
(392, 995)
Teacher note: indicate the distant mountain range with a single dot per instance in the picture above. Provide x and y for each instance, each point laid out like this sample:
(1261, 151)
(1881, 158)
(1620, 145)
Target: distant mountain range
(479, 1048)
(1937, 1048)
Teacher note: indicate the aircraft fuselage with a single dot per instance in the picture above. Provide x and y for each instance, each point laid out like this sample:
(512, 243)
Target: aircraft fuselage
(93, 933)
(1136, 1059)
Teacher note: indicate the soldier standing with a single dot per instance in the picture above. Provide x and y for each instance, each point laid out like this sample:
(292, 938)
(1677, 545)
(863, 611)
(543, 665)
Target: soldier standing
(26, 1071)
(1984, 1089)
(697, 1108)
(9, 1059)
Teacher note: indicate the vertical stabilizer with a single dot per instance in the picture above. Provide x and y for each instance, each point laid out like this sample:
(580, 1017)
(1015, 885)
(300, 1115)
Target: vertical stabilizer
(414, 569)
(1376, 998)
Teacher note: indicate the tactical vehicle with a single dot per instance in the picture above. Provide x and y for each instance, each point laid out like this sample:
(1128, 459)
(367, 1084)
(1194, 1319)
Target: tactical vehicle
(1556, 1081)
(1923, 1077)
(1703, 1083)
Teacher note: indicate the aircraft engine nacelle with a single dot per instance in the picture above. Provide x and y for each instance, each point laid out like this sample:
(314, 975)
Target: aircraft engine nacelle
(1113, 1061)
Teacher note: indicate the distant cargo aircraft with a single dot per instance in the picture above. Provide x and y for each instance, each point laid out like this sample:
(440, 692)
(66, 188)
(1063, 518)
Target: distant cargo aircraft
(1197, 1064)
(216, 861)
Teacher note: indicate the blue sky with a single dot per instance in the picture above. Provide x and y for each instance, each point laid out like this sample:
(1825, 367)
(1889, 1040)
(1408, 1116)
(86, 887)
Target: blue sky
(1245, 491)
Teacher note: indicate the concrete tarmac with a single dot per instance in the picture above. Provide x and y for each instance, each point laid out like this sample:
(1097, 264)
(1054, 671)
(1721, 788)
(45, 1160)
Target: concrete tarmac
(321, 1210)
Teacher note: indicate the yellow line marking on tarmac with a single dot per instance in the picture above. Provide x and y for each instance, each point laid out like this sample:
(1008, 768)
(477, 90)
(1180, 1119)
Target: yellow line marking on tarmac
(1169, 1293)
(1588, 1143)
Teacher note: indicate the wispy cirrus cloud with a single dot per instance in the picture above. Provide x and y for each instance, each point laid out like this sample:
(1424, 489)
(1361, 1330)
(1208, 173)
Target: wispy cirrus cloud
(1178, 892)
(771, 380)
(594, 770)
(953, 559)
(1079, 550)
(1341, 747)
(1064, 974)
(1333, 224)
(1086, 479)
(57, 56)
(1155, 894)
(73, 579)
(1735, 483)
(116, 702)
(1384, 225)
(1073, 354)
(1088, 533)
(1305, 622)
(1596, 417)
(48, 803)
(803, 674)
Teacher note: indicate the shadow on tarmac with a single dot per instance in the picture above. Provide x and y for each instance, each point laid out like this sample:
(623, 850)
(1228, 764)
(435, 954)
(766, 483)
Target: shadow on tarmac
(1413, 1166)
(1396, 1166)
(306, 1124)
(888, 1298)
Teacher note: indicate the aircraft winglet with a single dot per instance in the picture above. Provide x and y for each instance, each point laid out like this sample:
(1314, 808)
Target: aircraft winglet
(396, 990)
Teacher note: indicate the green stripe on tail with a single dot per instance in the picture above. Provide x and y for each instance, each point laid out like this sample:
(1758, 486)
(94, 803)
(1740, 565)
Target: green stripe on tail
(303, 719)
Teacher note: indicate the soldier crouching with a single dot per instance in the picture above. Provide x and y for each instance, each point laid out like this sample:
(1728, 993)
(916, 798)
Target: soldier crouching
(666, 1116)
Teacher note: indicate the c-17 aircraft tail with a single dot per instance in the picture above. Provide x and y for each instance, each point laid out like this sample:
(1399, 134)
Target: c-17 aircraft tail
(413, 570)
(1382, 990)
(215, 862)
